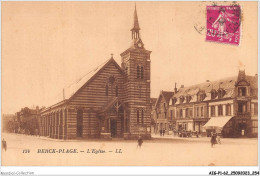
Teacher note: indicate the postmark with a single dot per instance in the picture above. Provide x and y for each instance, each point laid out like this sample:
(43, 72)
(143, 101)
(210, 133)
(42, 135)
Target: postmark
(223, 24)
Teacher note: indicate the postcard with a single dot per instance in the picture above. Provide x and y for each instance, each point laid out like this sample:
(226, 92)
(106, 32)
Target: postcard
(129, 83)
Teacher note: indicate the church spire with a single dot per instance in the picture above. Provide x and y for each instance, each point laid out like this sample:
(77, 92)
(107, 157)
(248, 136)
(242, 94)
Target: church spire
(136, 28)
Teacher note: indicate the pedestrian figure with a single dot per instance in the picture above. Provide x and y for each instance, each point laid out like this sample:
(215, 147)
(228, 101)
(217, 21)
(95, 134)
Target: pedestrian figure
(160, 132)
(218, 137)
(4, 144)
(139, 141)
(213, 140)
(163, 132)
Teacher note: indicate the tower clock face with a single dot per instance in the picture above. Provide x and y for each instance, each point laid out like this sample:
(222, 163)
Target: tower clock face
(139, 45)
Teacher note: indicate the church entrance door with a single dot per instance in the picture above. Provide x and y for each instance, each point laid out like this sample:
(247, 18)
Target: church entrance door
(113, 128)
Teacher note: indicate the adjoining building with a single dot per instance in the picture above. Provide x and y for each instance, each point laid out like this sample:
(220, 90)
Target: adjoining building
(162, 119)
(229, 105)
(110, 101)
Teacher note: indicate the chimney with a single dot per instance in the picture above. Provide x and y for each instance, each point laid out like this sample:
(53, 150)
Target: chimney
(175, 89)
(182, 86)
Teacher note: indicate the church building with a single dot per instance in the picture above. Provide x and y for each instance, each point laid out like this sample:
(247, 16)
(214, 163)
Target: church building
(110, 101)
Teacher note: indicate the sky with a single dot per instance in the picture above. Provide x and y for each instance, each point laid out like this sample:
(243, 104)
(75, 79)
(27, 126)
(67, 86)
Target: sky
(49, 45)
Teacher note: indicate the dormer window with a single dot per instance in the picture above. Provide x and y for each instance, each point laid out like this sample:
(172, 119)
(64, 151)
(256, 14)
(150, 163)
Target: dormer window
(241, 91)
(174, 100)
(221, 93)
(213, 94)
(181, 99)
(201, 96)
(188, 99)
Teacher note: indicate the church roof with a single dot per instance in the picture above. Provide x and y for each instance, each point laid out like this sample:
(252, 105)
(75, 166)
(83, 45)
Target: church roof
(71, 90)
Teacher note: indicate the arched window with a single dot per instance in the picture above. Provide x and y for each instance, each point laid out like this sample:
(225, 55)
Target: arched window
(106, 90)
(138, 72)
(142, 72)
(116, 91)
(137, 113)
(79, 122)
(142, 116)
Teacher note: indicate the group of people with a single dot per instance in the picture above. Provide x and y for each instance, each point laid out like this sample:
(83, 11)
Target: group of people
(162, 132)
(215, 139)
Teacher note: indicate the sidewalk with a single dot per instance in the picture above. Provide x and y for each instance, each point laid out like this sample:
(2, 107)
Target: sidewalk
(203, 139)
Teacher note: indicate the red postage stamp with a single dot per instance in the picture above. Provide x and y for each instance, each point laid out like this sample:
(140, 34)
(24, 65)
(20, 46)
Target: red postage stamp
(223, 24)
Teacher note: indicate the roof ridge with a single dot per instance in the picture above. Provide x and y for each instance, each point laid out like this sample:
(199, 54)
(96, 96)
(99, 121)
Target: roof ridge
(79, 79)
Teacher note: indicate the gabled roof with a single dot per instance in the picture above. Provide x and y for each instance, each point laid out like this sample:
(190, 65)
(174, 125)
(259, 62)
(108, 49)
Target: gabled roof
(166, 95)
(69, 91)
(112, 101)
(227, 84)
(153, 101)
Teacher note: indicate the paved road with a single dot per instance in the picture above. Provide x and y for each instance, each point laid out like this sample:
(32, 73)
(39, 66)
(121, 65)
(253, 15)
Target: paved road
(165, 151)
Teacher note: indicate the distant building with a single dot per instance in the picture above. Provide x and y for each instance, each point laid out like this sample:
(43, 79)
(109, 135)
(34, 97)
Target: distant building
(153, 115)
(7, 121)
(163, 117)
(108, 102)
(27, 120)
(229, 105)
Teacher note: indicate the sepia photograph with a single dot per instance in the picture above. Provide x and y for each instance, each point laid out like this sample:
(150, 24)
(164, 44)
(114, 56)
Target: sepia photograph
(127, 83)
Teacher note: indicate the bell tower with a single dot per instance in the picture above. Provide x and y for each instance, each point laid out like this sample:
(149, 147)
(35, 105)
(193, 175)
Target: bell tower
(136, 65)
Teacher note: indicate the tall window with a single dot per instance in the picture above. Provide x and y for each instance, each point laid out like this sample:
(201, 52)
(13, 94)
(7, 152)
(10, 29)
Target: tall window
(138, 71)
(106, 90)
(220, 110)
(142, 72)
(116, 91)
(171, 115)
(242, 107)
(190, 112)
(201, 111)
(140, 91)
(181, 113)
(79, 122)
(212, 111)
(187, 112)
(142, 116)
(228, 109)
(197, 112)
(242, 91)
(255, 108)
(137, 113)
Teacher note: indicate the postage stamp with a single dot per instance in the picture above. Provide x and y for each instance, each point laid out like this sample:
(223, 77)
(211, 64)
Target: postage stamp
(223, 24)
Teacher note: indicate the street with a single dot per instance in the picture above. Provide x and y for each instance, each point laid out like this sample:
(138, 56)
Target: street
(26, 150)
